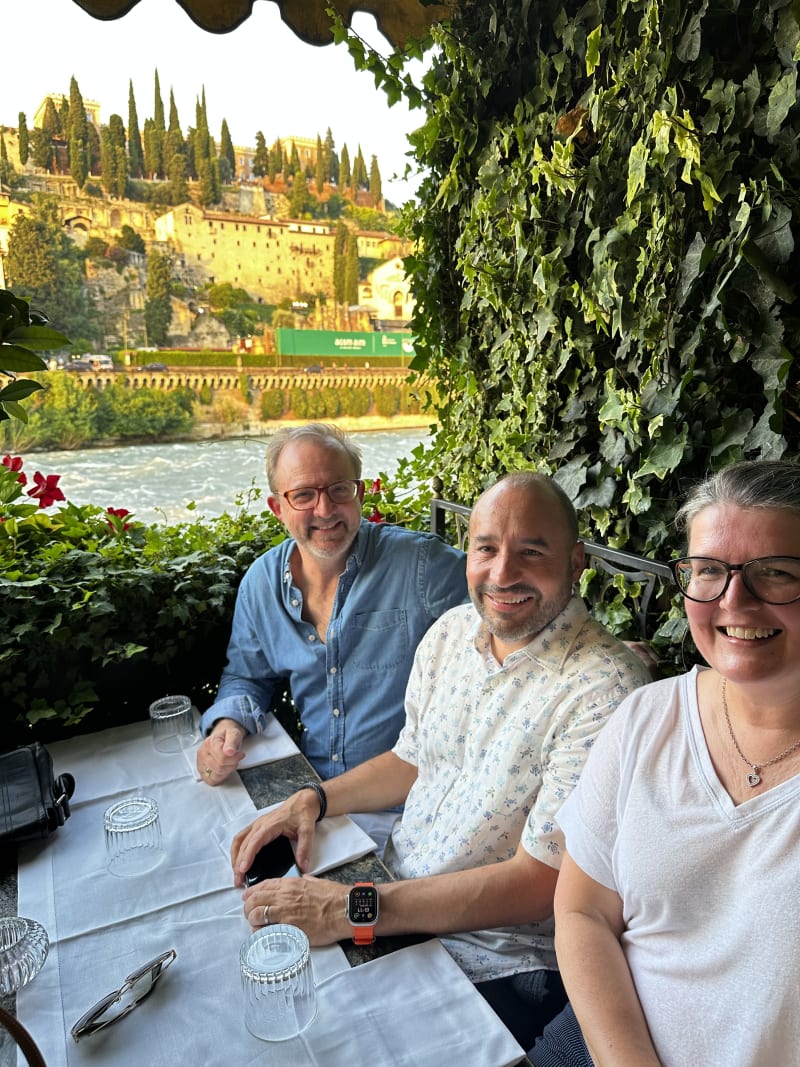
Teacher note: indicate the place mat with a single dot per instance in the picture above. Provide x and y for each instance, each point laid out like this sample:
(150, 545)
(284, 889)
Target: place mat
(412, 1008)
(272, 744)
(337, 840)
(195, 1013)
(118, 760)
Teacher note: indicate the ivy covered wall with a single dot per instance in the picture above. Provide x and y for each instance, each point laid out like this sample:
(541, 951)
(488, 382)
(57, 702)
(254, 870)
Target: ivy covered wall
(607, 274)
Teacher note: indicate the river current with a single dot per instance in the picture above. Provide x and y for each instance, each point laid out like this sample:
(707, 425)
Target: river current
(157, 482)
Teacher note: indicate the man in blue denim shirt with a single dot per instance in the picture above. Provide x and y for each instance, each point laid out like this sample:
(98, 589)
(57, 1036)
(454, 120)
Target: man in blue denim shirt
(337, 610)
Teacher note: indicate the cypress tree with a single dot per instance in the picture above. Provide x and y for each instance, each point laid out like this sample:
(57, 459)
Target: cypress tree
(226, 147)
(351, 270)
(261, 157)
(344, 168)
(320, 171)
(77, 136)
(375, 190)
(135, 150)
(24, 142)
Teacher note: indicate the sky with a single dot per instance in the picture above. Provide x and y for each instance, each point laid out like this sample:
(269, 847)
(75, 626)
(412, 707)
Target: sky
(258, 77)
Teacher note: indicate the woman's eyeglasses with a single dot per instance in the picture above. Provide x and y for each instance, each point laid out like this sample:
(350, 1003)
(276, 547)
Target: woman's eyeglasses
(771, 579)
(130, 995)
(307, 497)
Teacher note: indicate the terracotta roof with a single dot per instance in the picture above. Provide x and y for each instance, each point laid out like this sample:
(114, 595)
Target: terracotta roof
(399, 20)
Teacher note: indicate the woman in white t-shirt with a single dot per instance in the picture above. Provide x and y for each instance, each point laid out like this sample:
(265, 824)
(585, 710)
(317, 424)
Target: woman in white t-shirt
(677, 908)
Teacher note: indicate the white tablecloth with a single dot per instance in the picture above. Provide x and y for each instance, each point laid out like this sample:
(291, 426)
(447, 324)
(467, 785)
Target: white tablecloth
(414, 1007)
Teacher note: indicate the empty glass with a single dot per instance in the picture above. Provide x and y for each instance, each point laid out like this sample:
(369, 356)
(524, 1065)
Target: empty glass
(172, 719)
(24, 945)
(280, 999)
(133, 836)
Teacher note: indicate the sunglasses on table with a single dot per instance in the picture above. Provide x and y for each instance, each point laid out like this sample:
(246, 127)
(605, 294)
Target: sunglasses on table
(770, 579)
(122, 1001)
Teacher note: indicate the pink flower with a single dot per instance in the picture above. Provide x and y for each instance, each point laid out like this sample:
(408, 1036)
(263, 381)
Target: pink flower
(118, 513)
(375, 516)
(46, 489)
(14, 463)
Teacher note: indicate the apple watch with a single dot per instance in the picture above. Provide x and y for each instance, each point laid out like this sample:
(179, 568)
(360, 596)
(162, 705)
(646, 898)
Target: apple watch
(361, 911)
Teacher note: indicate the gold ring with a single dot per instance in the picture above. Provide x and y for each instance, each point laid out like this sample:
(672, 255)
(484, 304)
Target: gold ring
(266, 915)
(209, 772)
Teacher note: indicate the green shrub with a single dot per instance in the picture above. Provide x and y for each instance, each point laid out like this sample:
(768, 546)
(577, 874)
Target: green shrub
(387, 400)
(124, 412)
(331, 401)
(299, 403)
(204, 395)
(356, 401)
(273, 404)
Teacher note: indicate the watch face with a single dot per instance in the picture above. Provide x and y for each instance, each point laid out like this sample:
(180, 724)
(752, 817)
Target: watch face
(362, 905)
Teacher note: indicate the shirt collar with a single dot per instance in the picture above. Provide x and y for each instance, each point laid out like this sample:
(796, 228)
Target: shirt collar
(550, 648)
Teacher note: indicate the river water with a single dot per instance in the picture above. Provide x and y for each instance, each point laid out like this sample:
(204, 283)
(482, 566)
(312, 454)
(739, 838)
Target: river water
(157, 482)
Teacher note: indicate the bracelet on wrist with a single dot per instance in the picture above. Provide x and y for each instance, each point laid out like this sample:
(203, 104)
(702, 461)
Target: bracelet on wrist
(321, 797)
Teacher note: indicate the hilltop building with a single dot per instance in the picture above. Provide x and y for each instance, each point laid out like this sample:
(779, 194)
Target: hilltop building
(270, 258)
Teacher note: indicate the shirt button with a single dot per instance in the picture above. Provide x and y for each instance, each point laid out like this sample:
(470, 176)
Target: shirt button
(336, 713)
(295, 603)
(312, 637)
(335, 758)
(333, 670)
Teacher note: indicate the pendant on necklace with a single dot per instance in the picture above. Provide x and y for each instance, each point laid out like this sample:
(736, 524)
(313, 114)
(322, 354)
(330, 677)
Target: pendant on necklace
(754, 778)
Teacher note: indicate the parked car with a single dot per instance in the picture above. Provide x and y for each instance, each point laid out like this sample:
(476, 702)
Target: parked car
(99, 361)
(78, 365)
(315, 368)
(155, 366)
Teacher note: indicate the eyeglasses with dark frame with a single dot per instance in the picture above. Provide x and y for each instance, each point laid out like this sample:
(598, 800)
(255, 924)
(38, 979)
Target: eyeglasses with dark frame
(122, 1001)
(770, 579)
(307, 496)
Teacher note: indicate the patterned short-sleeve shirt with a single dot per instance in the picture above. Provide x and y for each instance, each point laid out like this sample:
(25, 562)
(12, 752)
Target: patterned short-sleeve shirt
(498, 749)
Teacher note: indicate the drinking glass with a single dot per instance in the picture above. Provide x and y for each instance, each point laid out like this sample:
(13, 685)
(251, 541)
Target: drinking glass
(173, 723)
(133, 836)
(280, 999)
(24, 945)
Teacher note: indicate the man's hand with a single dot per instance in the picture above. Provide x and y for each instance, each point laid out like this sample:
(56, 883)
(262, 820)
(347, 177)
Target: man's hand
(296, 818)
(220, 753)
(316, 905)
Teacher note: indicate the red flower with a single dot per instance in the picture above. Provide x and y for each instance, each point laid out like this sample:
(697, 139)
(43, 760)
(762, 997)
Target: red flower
(118, 513)
(376, 485)
(14, 463)
(46, 489)
(375, 516)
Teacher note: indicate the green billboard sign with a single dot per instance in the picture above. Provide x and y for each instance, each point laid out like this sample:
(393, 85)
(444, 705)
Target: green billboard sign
(343, 343)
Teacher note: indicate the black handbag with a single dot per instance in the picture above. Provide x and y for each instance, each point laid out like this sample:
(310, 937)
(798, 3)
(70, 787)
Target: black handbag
(33, 804)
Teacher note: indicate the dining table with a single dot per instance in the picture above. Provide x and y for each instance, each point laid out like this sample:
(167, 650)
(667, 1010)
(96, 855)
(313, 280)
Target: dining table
(399, 1002)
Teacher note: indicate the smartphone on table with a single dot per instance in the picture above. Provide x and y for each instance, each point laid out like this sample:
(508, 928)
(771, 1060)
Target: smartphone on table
(272, 861)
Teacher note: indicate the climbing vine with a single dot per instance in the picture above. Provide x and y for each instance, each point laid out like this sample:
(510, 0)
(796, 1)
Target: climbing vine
(606, 265)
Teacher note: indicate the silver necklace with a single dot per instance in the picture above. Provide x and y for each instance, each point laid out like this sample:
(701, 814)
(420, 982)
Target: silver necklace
(753, 778)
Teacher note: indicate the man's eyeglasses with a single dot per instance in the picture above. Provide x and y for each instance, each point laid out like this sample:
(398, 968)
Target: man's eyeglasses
(771, 579)
(307, 497)
(118, 1004)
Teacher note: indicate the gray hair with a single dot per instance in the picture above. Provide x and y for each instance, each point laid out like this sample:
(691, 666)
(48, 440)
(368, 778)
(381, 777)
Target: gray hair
(749, 484)
(531, 479)
(321, 433)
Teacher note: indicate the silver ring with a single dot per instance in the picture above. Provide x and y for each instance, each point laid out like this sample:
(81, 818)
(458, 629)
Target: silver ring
(266, 915)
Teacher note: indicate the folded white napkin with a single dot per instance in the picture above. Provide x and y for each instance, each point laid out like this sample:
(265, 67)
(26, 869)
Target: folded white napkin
(337, 840)
(412, 1008)
(273, 744)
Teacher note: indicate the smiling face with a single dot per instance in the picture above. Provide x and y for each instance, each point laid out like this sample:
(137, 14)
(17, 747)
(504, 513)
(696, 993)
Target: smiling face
(522, 562)
(327, 530)
(744, 640)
